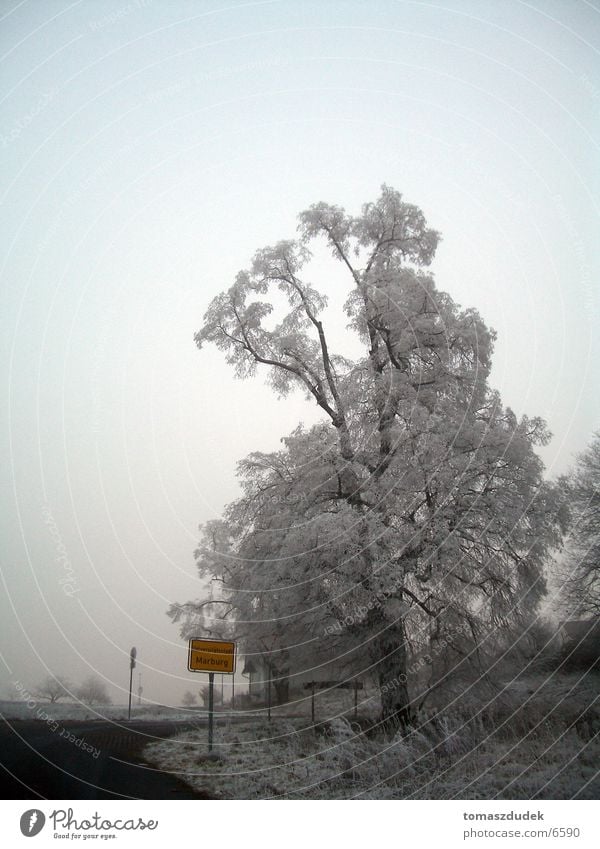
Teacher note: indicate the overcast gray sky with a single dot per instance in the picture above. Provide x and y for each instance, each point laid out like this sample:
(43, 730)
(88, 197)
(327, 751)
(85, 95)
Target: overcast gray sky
(148, 148)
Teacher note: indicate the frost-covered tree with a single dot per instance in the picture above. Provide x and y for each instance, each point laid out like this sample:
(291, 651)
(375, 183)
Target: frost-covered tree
(53, 688)
(417, 507)
(580, 574)
(205, 695)
(93, 691)
(188, 699)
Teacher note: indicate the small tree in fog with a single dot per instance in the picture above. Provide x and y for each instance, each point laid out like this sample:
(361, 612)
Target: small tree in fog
(53, 688)
(204, 693)
(188, 699)
(93, 692)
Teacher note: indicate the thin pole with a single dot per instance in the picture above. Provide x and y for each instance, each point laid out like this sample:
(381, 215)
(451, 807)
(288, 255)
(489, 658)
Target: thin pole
(269, 695)
(130, 686)
(355, 698)
(211, 685)
(222, 693)
(312, 702)
(232, 693)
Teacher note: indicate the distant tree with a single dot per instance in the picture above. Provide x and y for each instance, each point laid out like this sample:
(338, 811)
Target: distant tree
(580, 572)
(417, 509)
(53, 688)
(204, 695)
(93, 692)
(188, 699)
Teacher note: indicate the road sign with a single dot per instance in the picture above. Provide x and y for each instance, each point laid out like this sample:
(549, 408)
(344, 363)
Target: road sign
(211, 656)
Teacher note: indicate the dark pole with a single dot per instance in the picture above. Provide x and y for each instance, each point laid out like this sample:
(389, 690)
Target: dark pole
(232, 693)
(355, 698)
(130, 684)
(132, 657)
(312, 702)
(269, 695)
(211, 686)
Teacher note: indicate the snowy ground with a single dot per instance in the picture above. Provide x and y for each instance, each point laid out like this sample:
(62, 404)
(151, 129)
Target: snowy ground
(542, 741)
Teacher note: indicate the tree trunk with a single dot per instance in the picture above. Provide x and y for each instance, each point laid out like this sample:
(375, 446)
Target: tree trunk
(389, 654)
(282, 688)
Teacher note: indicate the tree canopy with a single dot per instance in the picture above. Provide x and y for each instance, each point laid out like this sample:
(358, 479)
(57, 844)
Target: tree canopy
(54, 688)
(93, 691)
(417, 507)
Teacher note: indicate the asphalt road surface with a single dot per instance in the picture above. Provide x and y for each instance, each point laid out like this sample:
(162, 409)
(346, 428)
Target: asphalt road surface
(86, 760)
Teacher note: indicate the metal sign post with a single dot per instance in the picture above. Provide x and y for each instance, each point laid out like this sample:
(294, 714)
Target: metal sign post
(211, 708)
(132, 658)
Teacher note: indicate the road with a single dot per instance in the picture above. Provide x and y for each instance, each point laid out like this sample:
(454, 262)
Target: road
(40, 761)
